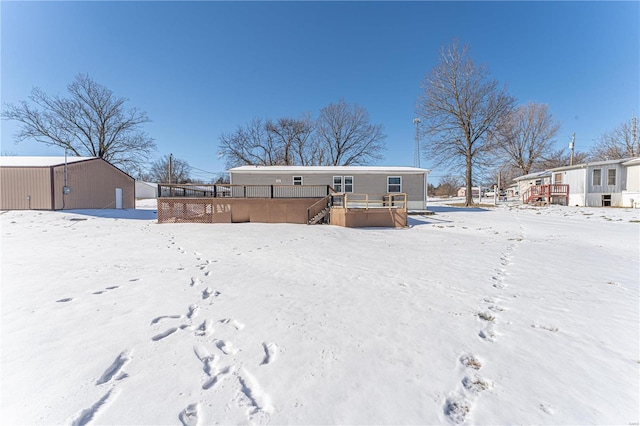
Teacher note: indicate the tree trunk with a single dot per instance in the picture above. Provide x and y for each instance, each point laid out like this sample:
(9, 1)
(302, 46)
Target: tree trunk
(469, 195)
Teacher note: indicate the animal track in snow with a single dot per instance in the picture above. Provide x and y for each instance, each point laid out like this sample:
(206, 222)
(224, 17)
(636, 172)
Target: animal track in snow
(66, 299)
(195, 281)
(190, 416)
(116, 366)
(164, 334)
(270, 353)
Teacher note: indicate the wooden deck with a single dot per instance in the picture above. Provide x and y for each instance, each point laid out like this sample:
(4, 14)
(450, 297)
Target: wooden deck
(547, 194)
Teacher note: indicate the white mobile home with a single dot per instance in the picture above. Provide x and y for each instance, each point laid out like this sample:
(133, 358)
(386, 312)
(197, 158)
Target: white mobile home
(631, 194)
(597, 184)
(371, 180)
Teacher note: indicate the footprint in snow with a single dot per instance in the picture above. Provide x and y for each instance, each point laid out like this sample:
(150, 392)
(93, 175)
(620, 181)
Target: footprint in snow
(193, 311)
(164, 334)
(236, 324)
(84, 417)
(457, 408)
(116, 367)
(66, 299)
(226, 347)
(270, 353)
(206, 328)
(216, 377)
(190, 416)
(476, 384)
(160, 318)
(259, 400)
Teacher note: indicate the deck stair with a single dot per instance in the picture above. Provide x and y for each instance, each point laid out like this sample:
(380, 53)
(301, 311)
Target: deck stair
(320, 217)
(546, 194)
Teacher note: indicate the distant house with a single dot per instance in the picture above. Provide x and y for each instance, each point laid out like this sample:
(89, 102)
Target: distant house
(462, 191)
(599, 184)
(371, 180)
(146, 190)
(55, 183)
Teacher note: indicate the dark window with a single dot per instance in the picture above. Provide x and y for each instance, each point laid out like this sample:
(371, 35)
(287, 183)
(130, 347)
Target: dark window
(394, 184)
(597, 177)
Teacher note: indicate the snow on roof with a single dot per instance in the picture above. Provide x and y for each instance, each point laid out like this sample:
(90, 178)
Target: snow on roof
(594, 163)
(325, 169)
(533, 175)
(16, 161)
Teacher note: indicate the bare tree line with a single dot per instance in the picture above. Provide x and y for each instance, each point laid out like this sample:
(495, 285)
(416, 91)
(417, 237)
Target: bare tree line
(341, 136)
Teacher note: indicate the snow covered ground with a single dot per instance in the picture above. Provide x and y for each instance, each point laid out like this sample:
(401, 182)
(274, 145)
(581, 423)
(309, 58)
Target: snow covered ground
(509, 315)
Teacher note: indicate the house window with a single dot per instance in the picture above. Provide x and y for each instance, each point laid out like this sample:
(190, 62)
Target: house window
(611, 177)
(348, 184)
(337, 183)
(557, 178)
(538, 182)
(343, 183)
(297, 180)
(597, 177)
(394, 184)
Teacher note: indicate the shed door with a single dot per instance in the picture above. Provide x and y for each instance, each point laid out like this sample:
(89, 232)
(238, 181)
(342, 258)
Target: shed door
(118, 198)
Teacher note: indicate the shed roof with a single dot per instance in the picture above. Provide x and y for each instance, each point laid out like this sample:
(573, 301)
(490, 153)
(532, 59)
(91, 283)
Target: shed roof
(17, 161)
(329, 169)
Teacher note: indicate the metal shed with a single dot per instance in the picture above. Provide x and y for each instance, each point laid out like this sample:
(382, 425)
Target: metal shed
(56, 183)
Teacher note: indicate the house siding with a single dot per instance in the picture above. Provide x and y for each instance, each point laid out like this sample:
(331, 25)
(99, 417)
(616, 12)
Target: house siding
(631, 194)
(413, 184)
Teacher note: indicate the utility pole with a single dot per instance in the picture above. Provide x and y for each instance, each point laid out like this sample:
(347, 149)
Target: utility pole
(634, 134)
(571, 146)
(416, 148)
(170, 166)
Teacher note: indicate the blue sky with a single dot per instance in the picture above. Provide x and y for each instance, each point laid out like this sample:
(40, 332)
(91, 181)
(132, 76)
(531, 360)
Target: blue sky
(202, 68)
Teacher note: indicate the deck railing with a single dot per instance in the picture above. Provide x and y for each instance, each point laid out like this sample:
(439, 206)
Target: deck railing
(365, 201)
(242, 191)
(546, 192)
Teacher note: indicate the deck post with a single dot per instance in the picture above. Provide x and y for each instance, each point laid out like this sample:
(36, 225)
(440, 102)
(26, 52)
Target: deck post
(271, 191)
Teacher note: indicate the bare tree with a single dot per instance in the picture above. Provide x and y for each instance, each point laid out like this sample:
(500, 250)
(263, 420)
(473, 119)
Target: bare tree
(250, 145)
(159, 171)
(292, 139)
(525, 135)
(449, 185)
(460, 107)
(561, 158)
(92, 121)
(343, 131)
(619, 143)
